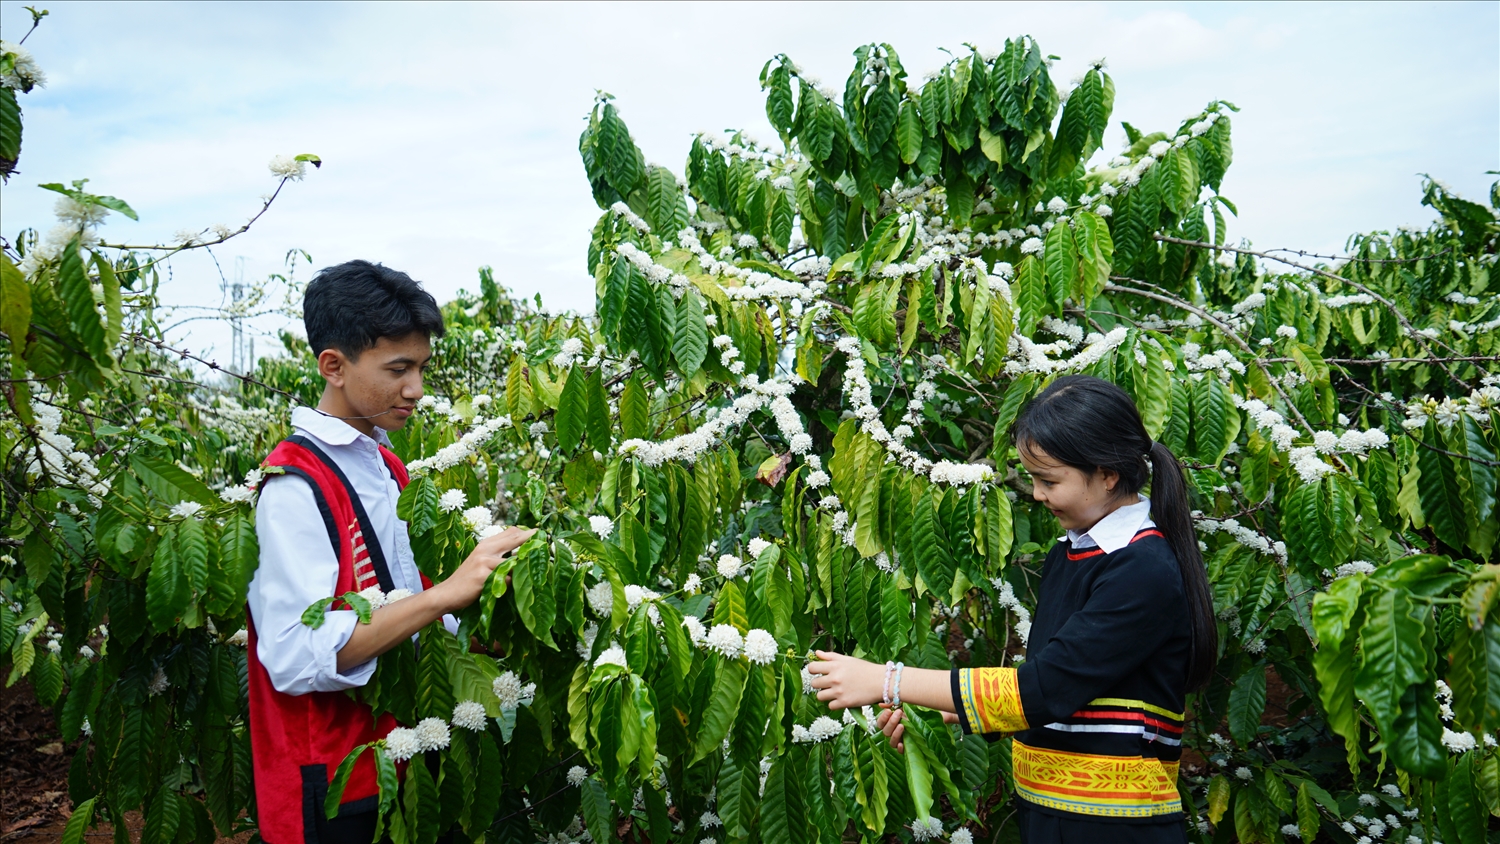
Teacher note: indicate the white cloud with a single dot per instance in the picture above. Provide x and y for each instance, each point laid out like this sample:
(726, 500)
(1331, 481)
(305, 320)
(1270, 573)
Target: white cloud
(450, 132)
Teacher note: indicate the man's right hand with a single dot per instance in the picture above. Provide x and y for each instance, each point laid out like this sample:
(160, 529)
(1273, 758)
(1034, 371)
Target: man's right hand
(463, 586)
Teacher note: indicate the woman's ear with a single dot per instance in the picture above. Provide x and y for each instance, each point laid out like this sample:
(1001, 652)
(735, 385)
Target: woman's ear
(1109, 477)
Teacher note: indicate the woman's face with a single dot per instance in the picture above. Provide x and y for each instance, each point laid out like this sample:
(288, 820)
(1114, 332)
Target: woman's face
(1078, 499)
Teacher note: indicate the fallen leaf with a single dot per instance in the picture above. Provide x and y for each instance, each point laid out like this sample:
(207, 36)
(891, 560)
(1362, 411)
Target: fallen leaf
(53, 749)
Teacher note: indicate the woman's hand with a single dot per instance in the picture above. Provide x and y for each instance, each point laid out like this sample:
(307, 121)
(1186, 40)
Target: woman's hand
(845, 682)
(890, 723)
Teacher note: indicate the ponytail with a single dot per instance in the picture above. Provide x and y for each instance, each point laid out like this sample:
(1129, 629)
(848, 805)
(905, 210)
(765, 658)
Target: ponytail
(1089, 423)
(1169, 509)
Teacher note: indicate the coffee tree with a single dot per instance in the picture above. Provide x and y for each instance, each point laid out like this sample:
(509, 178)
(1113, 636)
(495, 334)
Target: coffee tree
(785, 428)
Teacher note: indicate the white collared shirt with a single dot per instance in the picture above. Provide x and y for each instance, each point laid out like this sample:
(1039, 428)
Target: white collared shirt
(1115, 530)
(298, 565)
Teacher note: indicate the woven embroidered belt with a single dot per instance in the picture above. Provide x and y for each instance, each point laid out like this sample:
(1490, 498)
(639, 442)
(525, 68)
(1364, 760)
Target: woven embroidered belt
(1088, 784)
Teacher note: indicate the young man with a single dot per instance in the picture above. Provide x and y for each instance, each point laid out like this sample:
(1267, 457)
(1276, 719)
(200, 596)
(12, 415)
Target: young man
(327, 526)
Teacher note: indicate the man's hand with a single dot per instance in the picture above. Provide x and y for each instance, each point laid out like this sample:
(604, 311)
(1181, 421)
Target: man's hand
(463, 586)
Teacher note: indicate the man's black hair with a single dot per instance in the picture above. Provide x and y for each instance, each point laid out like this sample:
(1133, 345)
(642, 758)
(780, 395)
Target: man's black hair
(349, 307)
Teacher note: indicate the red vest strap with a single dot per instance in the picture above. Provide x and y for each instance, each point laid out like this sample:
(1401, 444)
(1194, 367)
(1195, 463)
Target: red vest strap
(1096, 550)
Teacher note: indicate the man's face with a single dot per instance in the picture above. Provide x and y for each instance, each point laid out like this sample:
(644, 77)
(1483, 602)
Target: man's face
(381, 387)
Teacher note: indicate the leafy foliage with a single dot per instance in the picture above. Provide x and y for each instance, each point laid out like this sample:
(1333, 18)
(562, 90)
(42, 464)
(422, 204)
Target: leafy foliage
(709, 460)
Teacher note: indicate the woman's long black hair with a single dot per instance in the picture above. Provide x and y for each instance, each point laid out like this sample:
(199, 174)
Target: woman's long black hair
(1089, 423)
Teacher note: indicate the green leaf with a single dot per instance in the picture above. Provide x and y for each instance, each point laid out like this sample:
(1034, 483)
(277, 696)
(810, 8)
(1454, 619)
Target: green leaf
(1476, 480)
(993, 146)
(1439, 490)
(635, 410)
(239, 556)
(170, 482)
(739, 796)
(192, 552)
(15, 302)
(723, 707)
(317, 612)
(341, 781)
(1465, 806)
(597, 423)
(1391, 648)
(572, 410)
(10, 131)
(1061, 260)
(534, 587)
(83, 815)
(1247, 700)
(166, 585)
(783, 811)
(78, 299)
(909, 132)
(1096, 251)
(933, 562)
(162, 818)
(690, 345)
(598, 813)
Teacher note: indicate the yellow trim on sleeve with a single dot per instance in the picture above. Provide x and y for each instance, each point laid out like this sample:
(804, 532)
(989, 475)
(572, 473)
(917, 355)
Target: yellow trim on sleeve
(992, 700)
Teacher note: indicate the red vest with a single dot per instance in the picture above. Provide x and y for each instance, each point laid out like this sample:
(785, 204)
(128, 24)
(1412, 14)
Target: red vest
(298, 741)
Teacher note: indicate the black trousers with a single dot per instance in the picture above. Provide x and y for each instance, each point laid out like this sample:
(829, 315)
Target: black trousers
(1047, 828)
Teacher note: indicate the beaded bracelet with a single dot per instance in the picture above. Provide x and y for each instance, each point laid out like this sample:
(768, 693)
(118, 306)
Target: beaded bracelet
(885, 694)
(896, 698)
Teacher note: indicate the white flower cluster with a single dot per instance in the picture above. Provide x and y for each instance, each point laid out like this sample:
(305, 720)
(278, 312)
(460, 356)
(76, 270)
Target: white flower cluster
(1132, 173)
(570, 353)
(401, 744)
(479, 519)
(57, 456)
(1009, 601)
(821, 730)
(760, 647)
(857, 390)
(185, 510)
(630, 217)
(451, 500)
(612, 655)
(432, 734)
(288, 167)
(1245, 536)
(1477, 405)
(926, 829)
(576, 775)
(1031, 357)
(692, 445)
(1221, 362)
(601, 525)
(753, 284)
(1354, 567)
(725, 640)
(654, 272)
(26, 73)
(729, 566)
(452, 455)
(510, 692)
(601, 598)
(469, 715)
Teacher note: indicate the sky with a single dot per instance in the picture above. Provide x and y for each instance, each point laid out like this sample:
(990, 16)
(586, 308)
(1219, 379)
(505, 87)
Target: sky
(449, 132)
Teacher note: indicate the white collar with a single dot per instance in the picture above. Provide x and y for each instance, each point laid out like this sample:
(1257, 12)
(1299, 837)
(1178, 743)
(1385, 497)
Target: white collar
(331, 429)
(1115, 530)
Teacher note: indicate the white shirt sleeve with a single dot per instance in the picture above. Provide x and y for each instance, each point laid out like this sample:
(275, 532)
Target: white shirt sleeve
(298, 566)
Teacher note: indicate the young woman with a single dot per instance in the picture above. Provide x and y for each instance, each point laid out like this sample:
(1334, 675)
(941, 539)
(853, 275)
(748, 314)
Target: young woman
(1123, 629)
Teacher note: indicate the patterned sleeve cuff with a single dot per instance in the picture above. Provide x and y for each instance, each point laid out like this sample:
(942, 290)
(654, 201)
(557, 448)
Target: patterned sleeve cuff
(988, 700)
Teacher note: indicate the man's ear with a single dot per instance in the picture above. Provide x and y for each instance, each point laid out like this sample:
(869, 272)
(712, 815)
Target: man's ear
(332, 365)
